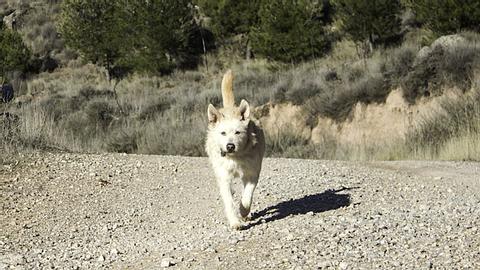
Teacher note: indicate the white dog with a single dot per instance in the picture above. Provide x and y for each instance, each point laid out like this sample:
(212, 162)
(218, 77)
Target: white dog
(235, 145)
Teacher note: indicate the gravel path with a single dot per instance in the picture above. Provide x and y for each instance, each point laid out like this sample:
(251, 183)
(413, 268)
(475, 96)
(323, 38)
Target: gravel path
(70, 211)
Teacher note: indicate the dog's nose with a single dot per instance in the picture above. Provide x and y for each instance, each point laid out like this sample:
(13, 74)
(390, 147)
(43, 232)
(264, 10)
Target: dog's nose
(230, 147)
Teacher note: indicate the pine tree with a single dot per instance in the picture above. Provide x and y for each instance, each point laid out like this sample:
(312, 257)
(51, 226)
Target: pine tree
(230, 17)
(290, 31)
(370, 21)
(165, 30)
(14, 54)
(124, 36)
(231, 21)
(98, 30)
(447, 16)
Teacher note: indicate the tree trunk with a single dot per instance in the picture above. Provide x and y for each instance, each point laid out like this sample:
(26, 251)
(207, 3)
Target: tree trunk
(248, 54)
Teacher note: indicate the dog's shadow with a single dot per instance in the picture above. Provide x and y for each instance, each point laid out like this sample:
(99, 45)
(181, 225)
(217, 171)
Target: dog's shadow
(315, 203)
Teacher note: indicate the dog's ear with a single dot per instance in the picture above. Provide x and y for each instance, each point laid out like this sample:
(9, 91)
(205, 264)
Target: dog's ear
(213, 114)
(244, 109)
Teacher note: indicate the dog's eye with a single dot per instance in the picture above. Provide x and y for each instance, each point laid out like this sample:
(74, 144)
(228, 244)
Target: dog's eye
(223, 133)
(237, 132)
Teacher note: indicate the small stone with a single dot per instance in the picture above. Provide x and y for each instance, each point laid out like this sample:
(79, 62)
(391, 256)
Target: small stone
(166, 262)
(343, 265)
(101, 258)
(114, 252)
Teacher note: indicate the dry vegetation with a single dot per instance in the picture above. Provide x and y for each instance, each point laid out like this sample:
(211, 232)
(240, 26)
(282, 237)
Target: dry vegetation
(73, 109)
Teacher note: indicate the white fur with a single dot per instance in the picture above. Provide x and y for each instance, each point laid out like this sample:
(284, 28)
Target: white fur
(243, 164)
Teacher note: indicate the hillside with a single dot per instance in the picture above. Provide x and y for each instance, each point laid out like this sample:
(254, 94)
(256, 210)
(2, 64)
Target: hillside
(402, 103)
(115, 211)
(415, 99)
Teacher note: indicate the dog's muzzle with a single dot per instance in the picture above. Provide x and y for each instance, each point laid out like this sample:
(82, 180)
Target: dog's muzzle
(230, 147)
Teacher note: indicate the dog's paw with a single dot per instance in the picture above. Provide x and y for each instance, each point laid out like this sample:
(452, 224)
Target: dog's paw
(237, 226)
(244, 212)
(247, 217)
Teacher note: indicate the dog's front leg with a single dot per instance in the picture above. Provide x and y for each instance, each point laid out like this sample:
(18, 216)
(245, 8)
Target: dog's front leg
(226, 194)
(247, 196)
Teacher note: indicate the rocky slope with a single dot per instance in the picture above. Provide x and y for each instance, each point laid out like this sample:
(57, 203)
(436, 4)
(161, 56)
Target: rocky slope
(69, 211)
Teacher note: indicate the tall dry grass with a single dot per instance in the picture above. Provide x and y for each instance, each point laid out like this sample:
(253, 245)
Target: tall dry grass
(73, 108)
(451, 132)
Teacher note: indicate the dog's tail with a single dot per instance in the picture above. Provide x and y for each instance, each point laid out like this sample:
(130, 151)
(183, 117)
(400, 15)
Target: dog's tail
(227, 90)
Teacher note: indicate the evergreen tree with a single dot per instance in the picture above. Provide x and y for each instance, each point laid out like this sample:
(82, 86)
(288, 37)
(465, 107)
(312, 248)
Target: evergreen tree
(14, 54)
(447, 16)
(165, 33)
(290, 30)
(373, 21)
(123, 36)
(230, 17)
(99, 31)
(231, 21)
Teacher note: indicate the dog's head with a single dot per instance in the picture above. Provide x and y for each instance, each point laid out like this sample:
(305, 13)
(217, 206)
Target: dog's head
(230, 128)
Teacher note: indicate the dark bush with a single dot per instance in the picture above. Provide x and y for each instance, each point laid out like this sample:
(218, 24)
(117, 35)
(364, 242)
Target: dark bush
(338, 104)
(439, 70)
(302, 92)
(58, 106)
(89, 92)
(154, 109)
(122, 142)
(279, 92)
(100, 113)
(398, 63)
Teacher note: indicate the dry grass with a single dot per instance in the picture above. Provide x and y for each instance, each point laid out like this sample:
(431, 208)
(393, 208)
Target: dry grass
(74, 110)
(450, 133)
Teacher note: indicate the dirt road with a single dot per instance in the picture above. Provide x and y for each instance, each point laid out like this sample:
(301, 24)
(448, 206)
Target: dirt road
(71, 211)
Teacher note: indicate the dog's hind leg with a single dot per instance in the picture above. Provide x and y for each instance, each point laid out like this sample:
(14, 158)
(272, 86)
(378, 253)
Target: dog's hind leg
(226, 193)
(247, 196)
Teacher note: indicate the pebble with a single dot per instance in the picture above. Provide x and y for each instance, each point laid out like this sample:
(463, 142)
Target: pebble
(166, 262)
